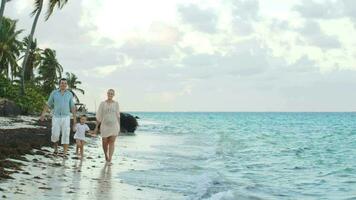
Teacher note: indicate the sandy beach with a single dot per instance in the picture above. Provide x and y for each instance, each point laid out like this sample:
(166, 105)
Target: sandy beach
(47, 177)
(31, 171)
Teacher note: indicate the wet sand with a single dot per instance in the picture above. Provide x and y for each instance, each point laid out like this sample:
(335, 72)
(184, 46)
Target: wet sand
(44, 176)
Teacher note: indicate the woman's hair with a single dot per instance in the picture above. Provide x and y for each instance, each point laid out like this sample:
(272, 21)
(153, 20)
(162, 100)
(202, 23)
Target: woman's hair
(112, 90)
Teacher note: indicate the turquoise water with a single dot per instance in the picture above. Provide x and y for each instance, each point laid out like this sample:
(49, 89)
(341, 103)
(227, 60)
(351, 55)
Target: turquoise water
(249, 155)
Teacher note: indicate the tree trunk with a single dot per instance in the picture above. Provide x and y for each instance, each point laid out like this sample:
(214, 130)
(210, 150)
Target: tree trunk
(2, 9)
(24, 64)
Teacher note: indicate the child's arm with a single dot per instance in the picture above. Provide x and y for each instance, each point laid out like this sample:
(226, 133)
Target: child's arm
(89, 132)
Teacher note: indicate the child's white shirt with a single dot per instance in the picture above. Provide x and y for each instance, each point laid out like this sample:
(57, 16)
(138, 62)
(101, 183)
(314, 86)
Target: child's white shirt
(80, 131)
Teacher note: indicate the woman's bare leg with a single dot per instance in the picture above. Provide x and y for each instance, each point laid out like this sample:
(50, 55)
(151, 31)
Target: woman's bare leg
(105, 147)
(111, 146)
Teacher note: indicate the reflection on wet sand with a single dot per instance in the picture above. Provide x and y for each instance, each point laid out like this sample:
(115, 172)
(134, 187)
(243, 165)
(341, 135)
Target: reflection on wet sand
(76, 179)
(103, 189)
(56, 178)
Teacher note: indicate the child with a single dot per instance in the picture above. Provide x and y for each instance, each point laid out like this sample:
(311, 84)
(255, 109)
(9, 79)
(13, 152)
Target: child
(79, 136)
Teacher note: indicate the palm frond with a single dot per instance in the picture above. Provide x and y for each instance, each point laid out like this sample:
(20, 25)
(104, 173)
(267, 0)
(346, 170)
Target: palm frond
(52, 5)
(38, 4)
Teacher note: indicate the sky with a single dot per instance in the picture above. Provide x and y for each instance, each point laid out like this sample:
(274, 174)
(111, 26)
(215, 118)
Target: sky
(205, 55)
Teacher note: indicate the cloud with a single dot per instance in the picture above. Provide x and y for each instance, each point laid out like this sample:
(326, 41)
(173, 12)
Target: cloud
(204, 20)
(312, 32)
(244, 13)
(246, 9)
(205, 55)
(319, 10)
(105, 70)
(246, 58)
(146, 50)
(327, 9)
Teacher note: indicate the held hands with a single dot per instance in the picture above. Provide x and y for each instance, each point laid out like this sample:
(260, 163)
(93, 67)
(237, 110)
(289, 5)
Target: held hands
(92, 133)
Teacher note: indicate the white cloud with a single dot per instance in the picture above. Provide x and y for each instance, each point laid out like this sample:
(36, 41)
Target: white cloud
(206, 54)
(204, 20)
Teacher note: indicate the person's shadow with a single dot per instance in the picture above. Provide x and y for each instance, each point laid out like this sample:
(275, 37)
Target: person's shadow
(103, 190)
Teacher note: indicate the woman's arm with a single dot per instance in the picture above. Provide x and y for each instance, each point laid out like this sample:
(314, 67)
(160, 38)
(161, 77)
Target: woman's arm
(99, 117)
(95, 132)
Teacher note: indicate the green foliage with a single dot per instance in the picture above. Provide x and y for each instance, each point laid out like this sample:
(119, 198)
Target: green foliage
(9, 48)
(50, 70)
(73, 83)
(34, 57)
(31, 103)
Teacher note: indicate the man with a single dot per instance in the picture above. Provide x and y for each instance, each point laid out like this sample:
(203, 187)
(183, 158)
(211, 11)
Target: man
(61, 103)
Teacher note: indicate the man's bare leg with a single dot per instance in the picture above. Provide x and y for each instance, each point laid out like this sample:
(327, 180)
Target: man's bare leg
(55, 146)
(65, 149)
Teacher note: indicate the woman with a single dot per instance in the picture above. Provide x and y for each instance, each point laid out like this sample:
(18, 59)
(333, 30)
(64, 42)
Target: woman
(108, 115)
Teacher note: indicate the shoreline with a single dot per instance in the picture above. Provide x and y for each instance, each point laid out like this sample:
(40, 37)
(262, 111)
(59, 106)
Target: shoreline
(51, 177)
(21, 134)
(15, 143)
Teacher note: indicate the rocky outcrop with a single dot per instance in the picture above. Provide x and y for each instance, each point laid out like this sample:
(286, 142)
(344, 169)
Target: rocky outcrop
(8, 108)
(128, 123)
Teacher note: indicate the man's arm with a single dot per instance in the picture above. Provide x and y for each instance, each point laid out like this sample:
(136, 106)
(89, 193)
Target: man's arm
(73, 109)
(49, 104)
(74, 112)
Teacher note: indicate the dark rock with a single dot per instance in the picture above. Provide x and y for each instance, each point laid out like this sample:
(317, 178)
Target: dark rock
(8, 108)
(91, 124)
(128, 123)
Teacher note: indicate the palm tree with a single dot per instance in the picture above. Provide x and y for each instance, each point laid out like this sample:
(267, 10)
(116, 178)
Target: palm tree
(37, 12)
(53, 4)
(50, 71)
(34, 58)
(2, 9)
(73, 82)
(9, 48)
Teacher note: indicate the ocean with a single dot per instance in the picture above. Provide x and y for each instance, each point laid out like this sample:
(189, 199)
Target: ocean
(247, 155)
(204, 156)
